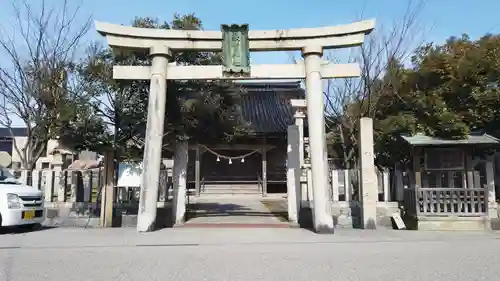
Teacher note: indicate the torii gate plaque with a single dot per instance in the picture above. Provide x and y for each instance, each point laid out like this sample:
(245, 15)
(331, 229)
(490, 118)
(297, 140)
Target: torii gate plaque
(235, 50)
(159, 43)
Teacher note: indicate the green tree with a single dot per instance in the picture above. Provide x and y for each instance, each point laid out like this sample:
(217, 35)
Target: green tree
(36, 75)
(347, 100)
(451, 90)
(197, 110)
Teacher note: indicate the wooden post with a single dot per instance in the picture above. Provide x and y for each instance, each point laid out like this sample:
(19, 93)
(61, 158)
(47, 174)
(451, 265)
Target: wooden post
(398, 183)
(469, 171)
(417, 172)
(264, 172)
(108, 191)
(197, 170)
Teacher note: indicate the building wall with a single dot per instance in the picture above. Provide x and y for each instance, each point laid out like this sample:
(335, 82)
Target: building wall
(43, 162)
(46, 157)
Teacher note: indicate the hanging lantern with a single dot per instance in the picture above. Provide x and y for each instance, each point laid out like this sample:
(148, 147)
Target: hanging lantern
(218, 159)
(230, 162)
(242, 160)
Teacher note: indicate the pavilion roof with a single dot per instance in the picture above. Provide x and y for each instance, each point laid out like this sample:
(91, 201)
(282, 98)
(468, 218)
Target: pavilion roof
(266, 105)
(471, 139)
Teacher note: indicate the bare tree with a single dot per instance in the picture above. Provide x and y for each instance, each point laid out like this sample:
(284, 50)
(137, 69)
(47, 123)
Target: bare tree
(39, 47)
(347, 100)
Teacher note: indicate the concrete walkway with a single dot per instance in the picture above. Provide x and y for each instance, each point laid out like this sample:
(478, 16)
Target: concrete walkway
(249, 211)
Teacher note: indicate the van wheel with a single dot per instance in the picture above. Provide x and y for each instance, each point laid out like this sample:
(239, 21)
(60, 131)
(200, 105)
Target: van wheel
(36, 226)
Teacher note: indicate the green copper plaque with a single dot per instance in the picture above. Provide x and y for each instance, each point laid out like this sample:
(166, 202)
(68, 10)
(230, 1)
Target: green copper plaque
(235, 50)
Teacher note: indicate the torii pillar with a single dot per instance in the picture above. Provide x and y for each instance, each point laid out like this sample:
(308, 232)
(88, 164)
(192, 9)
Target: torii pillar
(322, 219)
(154, 137)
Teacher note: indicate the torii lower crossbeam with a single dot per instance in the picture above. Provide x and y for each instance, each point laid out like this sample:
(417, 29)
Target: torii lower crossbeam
(214, 72)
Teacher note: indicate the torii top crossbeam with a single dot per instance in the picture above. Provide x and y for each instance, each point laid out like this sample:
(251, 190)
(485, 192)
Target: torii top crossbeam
(143, 39)
(330, 37)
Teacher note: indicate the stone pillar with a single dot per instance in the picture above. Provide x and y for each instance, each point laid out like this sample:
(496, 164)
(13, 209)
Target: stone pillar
(347, 186)
(35, 179)
(368, 177)
(335, 185)
(180, 182)
(323, 220)
(300, 106)
(386, 185)
(24, 177)
(154, 136)
(490, 181)
(293, 175)
(264, 172)
(48, 187)
(59, 177)
(87, 186)
(72, 180)
(108, 190)
(305, 182)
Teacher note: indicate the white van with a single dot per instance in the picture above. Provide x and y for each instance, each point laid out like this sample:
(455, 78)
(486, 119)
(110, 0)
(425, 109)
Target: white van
(19, 204)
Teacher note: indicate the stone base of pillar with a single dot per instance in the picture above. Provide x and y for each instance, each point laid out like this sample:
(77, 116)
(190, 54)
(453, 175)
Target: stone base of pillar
(294, 225)
(305, 218)
(324, 230)
(150, 228)
(179, 223)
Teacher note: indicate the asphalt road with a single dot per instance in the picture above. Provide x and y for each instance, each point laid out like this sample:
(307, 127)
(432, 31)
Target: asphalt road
(248, 254)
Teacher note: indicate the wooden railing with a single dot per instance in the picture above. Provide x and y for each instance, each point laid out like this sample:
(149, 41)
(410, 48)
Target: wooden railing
(451, 201)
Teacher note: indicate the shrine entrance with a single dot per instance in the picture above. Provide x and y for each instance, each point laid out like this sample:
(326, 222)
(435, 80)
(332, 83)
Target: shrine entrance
(235, 42)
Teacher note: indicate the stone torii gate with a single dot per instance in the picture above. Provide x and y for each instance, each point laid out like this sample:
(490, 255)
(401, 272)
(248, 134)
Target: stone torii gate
(235, 42)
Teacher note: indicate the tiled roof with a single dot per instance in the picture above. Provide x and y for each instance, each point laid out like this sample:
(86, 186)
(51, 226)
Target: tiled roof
(18, 132)
(266, 105)
(423, 140)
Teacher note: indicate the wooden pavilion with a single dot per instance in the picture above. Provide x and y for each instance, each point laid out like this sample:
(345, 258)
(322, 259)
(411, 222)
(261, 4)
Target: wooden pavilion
(255, 163)
(452, 182)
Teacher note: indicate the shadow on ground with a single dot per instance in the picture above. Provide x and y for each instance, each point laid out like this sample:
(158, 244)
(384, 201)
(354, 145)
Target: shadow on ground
(215, 209)
(23, 229)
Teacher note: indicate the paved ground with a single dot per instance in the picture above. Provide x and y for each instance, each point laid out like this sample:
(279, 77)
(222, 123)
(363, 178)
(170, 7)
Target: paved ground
(248, 254)
(271, 211)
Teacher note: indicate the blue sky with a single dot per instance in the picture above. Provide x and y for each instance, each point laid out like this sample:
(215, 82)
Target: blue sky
(440, 18)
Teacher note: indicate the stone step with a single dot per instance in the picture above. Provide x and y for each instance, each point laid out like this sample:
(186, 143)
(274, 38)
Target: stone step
(254, 186)
(230, 189)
